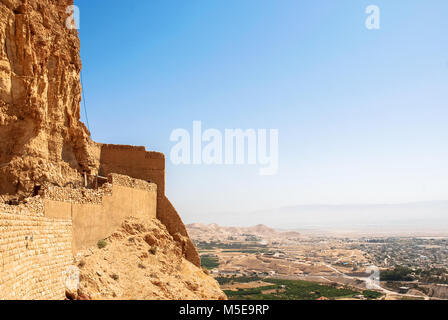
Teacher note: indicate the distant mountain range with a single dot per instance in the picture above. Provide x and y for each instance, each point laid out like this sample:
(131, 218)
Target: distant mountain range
(258, 229)
(199, 231)
(417, 217)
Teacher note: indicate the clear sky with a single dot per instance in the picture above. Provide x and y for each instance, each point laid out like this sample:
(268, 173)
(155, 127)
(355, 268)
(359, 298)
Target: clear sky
(362, 114)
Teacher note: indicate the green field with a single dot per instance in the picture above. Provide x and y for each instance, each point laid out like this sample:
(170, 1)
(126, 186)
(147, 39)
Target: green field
(227, 280)
(209, 262)
(292, 290)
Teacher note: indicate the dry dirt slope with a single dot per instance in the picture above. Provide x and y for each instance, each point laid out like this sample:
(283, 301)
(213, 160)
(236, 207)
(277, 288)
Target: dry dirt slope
(142, 261)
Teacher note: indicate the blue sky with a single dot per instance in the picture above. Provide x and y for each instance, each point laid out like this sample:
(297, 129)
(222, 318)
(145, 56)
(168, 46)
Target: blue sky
(362, 114)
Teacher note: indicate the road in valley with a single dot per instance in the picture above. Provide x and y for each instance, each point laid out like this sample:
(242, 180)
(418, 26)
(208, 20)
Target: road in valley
(375, 286)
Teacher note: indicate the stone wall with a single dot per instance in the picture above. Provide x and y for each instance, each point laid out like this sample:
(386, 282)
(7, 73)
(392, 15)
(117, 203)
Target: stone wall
(34, 253)
(96, 219)
(33, 206)
(38, 240)
(138, 163)
(134, 162)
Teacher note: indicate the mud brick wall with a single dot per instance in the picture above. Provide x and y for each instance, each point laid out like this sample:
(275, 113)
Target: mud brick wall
(134, 162)
(34, 253)
(138, 163)
(96, 221)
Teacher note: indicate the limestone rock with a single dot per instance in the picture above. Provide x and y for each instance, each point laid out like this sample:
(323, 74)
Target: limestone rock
(138, 272)
(42, 137)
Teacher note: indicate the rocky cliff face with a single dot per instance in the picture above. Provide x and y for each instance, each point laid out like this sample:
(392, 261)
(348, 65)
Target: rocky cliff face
(142, 261)
(42, 138)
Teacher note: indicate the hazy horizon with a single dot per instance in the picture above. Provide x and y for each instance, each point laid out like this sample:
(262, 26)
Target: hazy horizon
(418, 217)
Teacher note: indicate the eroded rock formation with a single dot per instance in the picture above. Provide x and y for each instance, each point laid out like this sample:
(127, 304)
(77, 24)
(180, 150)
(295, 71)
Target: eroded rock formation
(41, 135)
